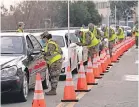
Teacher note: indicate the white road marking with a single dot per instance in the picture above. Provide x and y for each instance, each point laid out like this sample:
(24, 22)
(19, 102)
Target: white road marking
(131, 77)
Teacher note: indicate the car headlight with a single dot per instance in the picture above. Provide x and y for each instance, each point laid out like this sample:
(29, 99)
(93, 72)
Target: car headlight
(8, 72)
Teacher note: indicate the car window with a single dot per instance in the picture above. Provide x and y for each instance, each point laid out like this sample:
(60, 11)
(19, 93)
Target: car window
(73, 38)
(35, 43)
(59, 40)
(11, 45)
(30, 46)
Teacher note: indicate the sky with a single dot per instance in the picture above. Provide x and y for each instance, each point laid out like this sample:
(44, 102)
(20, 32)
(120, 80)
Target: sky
(7, 3)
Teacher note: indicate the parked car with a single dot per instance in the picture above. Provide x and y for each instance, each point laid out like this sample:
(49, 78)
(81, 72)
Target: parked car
(20, 60)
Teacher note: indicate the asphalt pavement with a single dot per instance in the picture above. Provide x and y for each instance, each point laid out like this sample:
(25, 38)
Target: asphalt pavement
(117, 88)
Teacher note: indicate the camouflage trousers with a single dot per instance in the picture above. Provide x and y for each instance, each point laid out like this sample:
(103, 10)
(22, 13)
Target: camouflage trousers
(92, 51)
(111, 43)
(136, 40)
(54, 71)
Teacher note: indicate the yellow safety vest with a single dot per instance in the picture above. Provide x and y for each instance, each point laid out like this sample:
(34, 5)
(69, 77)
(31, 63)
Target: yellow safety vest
(19, 30)
(94, 40)
(56, 55)
(121, 35)
(113, 37)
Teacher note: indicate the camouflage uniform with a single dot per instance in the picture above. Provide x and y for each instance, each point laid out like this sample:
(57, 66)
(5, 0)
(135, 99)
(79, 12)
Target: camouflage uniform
(54, 71)
(111, 43)
(54, 68)
(91, 50)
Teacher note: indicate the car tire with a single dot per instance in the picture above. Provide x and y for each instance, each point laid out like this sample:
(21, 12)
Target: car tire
(24, 89)
(62, 77)
(46, 81)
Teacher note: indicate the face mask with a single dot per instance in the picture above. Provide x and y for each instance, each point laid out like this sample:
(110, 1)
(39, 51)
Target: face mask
(42, 42)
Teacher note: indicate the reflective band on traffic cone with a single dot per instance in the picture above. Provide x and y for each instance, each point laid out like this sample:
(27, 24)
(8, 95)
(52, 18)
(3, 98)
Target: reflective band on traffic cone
(38, 100)
(102, 60)
(82, 83)
(99, 65)
(95, 68)
(89, 73)
(69, 90)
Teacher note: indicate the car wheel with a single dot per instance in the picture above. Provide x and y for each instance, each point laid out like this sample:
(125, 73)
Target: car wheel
(24, 90)
(46, 81)
(62, 77)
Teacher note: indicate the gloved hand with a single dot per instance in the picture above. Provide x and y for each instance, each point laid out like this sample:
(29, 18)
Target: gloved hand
(80, 44)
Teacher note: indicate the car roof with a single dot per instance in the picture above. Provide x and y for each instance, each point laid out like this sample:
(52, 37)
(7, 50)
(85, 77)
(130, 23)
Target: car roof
(61, 32)
(56, 32)
(14, 34)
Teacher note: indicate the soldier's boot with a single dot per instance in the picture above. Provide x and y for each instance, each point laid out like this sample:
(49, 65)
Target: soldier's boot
(51, 92)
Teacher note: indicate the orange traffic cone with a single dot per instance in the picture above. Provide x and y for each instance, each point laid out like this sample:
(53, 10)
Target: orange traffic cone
(69, 90)
(102, 60)
(99, 65)
(38, 100)
(82, 83)
(95, 68)
(89, 74)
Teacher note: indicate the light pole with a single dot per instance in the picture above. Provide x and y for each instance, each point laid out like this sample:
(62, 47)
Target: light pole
(68, 30)
(115, 15)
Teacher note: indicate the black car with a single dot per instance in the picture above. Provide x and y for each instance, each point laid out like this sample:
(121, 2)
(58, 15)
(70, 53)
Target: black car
(20, 60)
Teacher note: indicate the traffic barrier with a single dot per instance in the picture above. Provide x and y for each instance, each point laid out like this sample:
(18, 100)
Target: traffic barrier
(81, 82)
(38, 100)
(69, 90)
(95, 68)
(89, 73)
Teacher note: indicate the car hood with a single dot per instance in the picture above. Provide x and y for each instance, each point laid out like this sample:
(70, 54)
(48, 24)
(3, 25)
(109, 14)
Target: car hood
(6, 61)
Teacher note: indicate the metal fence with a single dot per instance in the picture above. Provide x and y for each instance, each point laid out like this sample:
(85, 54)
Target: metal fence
(42, 30)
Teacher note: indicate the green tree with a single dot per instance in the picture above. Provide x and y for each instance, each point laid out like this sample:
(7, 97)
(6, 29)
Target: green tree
(122, 8)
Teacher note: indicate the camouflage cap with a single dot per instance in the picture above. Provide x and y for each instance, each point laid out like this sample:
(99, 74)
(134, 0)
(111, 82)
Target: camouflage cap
(21, 23)
(44, 34)
(91, 25)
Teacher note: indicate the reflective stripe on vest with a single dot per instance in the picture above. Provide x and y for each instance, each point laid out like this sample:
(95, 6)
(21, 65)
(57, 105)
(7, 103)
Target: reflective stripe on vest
(56, 56)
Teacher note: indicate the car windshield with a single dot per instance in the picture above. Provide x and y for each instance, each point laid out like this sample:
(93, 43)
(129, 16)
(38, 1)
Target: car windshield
(11, 45)
(59, 40)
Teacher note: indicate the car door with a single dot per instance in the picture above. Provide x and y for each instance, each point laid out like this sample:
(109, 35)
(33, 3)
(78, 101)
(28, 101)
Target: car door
(39, 64)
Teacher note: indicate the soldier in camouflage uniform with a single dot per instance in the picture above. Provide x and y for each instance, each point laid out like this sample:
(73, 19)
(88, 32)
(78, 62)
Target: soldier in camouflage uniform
(20, 27)
(53, 56)
(86, 40)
